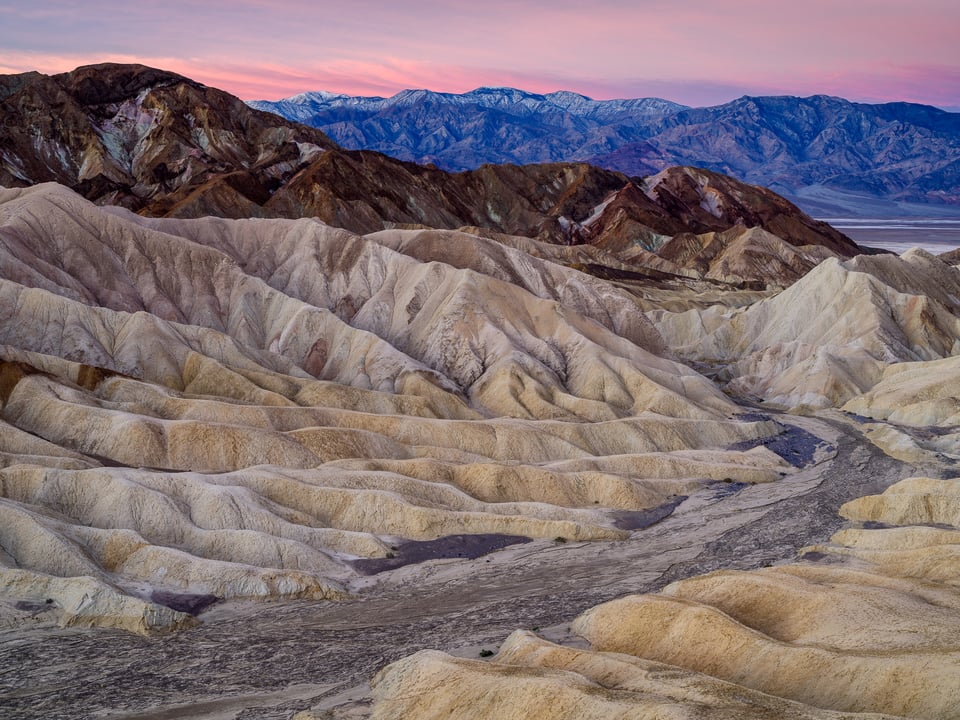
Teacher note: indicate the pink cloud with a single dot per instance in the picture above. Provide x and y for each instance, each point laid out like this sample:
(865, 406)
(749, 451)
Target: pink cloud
(938, 85)
(684, 50)
(274, 81)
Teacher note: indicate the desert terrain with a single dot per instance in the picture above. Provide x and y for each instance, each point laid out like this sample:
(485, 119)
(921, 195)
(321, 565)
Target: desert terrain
(291, 431)
(196, 527)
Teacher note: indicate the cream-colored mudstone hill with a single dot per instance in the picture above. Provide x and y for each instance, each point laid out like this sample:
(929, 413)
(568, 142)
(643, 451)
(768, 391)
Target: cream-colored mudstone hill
(205, 409)
(834, 335)
(913, 412)
(865, 626)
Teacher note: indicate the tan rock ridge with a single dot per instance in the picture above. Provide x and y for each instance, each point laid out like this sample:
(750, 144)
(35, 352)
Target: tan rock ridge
(375, 290)
(831, 336)
(917, 406)
(865, 626)
(744, 255)
(84, 602)
(917, 393)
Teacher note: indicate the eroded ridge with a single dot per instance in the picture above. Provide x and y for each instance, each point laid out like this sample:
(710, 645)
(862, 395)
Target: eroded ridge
(207, 409)
(833, 335)
(862, 626)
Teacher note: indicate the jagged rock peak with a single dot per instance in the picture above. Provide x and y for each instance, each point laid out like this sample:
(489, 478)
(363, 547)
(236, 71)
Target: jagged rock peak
(138, 136)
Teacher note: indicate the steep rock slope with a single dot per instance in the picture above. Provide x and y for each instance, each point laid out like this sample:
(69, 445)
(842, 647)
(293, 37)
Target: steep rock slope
(198, 409)
(140, 137)
(711, 201)
(865, 626)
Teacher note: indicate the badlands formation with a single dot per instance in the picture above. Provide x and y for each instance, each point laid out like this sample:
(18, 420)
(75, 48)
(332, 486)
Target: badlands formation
(271, 427)
(863, 626)
(277, 400)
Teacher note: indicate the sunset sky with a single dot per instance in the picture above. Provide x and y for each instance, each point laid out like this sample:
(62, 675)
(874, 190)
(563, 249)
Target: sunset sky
(688, 51)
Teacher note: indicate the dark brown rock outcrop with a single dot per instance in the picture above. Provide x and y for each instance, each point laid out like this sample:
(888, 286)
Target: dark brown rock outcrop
(143, 138)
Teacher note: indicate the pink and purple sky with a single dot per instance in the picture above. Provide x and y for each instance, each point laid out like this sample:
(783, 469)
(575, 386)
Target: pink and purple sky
(689, 51)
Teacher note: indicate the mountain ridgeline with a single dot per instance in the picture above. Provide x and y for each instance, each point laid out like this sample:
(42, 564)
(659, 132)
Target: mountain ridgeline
(824, 152)
(488, 125)
(165, 146)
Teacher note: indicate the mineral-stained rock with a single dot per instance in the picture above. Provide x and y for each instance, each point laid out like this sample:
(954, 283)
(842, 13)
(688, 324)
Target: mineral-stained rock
(714, 202)
(137, 136)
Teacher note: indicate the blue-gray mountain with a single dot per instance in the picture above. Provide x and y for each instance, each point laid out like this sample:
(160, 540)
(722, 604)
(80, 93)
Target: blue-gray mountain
(826, 153)
(487, 125)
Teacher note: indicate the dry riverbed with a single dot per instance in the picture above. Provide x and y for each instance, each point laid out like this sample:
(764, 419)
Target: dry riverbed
(257, 660)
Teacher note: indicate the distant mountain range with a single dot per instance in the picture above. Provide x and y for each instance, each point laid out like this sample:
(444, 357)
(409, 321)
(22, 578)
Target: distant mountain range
(827, 154)
(488, 125)
(163, 145)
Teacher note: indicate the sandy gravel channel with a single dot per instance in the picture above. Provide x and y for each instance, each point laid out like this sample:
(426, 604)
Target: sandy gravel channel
(257, 660)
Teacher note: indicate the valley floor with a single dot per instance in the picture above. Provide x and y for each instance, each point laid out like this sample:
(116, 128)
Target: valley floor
(935, 235)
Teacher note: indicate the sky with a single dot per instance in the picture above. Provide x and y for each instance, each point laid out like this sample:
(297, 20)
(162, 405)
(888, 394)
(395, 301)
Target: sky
(693, 52)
